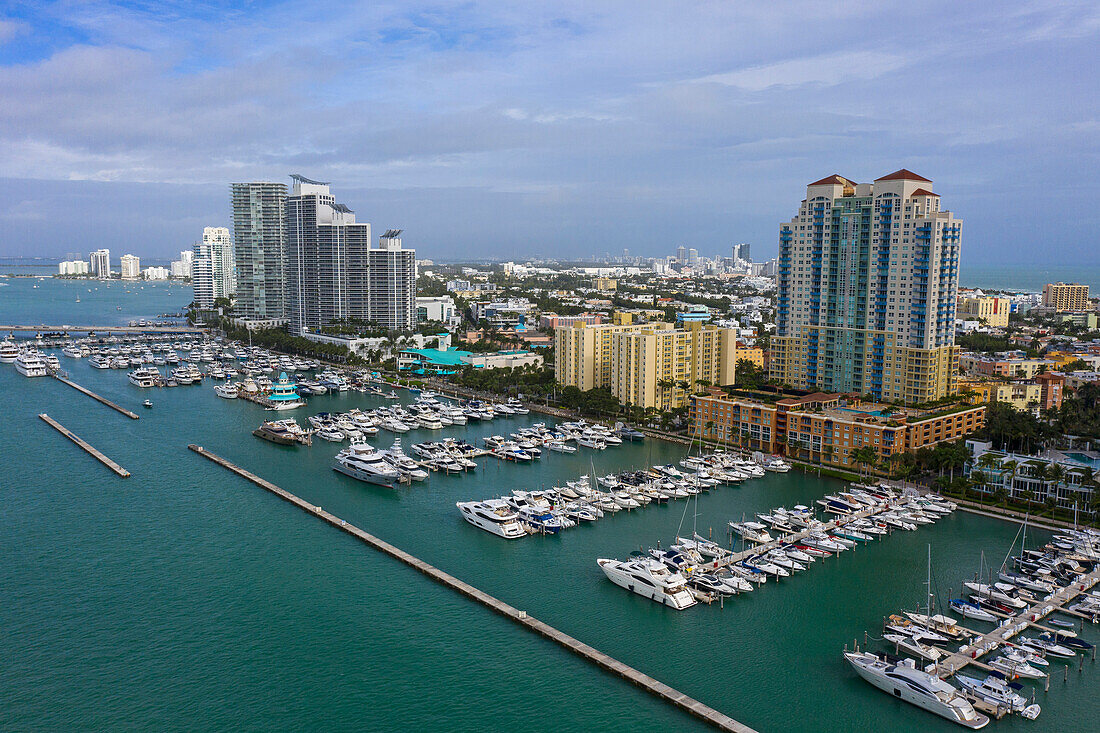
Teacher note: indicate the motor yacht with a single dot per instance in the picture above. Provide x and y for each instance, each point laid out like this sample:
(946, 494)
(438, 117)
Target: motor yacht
(904, 681)
(403, 464)
(777, 464)
(971, 610)
(331, 435)
(9, 352)
(559, 446)
(227, 391)
(493, 516)
(99, 361)
(650, 579)
(752, 531)
(913, 646)
(1016, 669)
(276, 433)
(995, 690)
(363, 462)
(31, 364)
(145, 377)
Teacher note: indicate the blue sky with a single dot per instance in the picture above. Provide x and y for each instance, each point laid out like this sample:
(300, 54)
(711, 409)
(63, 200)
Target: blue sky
(557, 129)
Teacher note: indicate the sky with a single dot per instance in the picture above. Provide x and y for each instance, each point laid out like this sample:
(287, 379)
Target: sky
(563, 129)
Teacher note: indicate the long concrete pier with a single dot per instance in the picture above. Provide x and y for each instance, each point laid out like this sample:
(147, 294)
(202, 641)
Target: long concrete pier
(83, 444)
(97, 398)
(640, 679)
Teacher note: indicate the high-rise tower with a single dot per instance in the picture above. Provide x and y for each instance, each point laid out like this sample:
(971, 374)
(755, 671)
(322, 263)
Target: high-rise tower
(326, 258)
(259, 211)
(867, 278)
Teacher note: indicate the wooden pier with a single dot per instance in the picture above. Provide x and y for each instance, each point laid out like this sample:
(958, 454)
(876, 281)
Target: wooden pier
(640, 679)
(97, 398)
(992, 641)
(90, 450)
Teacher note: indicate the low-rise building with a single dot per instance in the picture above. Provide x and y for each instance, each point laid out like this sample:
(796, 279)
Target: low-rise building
(1008, 364)
(753, 354)
(72, 267)
(553, 320)
(827, 427)
(1030, 478)
(450, 361)
(989, 310)
(438, 309)
(155, 273)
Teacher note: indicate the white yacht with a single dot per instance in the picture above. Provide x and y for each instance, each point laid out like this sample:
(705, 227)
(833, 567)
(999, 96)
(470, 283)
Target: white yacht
(493, 516)
(363, 462)
(917, 687)
(31, 364)
(9, 352)
(227, 391)
(994, 689)
(145, 377)
(777, 464)
(403, 464)
(649, 578)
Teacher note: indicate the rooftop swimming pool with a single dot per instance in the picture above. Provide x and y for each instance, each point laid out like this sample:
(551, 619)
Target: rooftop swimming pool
(876, 413)
(1083, 458)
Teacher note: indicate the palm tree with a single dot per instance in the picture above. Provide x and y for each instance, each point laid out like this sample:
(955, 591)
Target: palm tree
(665, 385)
(1056, 474)
(827, 453)
(864, 456)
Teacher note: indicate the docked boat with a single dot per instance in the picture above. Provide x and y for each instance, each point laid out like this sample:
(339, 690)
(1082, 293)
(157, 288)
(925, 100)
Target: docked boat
(145, 377)
(1017, 669)
(971, 610)
(995, 690)
(361, 461)
(31, 364)
(9, 352)
(493, 516)
(100, 361)
(560, 446)
(904, 681)
(227, 391)
(649, 578)
(777, 465)
(275, 433)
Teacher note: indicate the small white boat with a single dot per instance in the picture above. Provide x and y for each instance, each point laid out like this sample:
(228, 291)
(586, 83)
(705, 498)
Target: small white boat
(559, 446)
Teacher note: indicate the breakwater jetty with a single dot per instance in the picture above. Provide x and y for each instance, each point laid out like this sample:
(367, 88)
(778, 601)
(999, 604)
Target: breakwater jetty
(610, 664)
(97, 398)
(85, 445)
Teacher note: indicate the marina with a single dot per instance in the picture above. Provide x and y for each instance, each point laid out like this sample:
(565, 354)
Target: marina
(764, 642)
(654, 687)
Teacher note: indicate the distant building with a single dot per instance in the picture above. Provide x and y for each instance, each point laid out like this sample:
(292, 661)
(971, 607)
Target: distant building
(692, 257)
(438, 309)
(72, 267)
(392, 283)
(155, 273)
(553, 320)
(741, 252)
(606, 283)
(99, 263)
(647, 365)
(326, 259)
(217, 247)
(202, 281)
(867, 284)
(259, 212)
(993, 311)
(130, 267)
(681, 254)
(1066, 296)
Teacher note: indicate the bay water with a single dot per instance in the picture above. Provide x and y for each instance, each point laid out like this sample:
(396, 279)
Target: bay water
(185, 598)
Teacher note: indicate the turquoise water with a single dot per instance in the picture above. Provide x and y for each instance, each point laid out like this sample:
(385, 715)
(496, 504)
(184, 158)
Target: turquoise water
(186, 598)
(1085, 459)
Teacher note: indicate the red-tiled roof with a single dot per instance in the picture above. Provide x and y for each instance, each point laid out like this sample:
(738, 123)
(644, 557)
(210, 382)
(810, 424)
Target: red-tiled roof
(836, 178)
(924, 192)
(903, 175)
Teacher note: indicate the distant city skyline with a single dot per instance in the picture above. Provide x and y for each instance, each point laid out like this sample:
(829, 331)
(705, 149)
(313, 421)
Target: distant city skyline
(498, 130)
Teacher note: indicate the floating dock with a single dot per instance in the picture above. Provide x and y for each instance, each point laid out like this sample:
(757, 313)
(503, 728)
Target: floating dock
(97, 398)
(83, 444)
(990, 642)
(640, 679)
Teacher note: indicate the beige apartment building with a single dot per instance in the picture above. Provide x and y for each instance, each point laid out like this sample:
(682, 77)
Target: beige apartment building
(1066, 296)
(992, 311)
(648, 365)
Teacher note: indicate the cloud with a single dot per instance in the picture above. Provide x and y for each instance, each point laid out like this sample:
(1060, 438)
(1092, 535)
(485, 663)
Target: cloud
(826, 70)
(616, 121)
